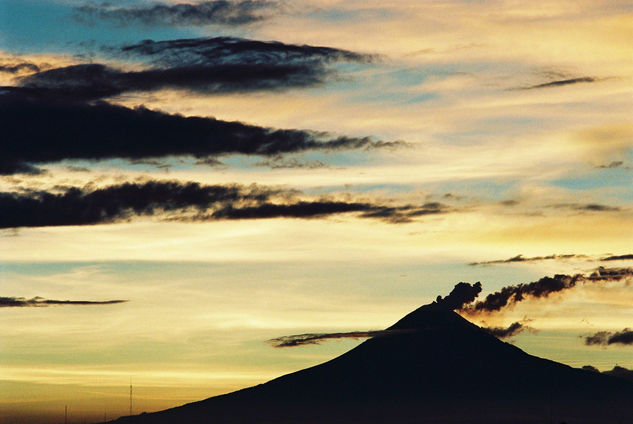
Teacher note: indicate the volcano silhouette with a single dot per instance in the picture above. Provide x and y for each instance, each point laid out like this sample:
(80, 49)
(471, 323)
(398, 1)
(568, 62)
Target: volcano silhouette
(433, 367)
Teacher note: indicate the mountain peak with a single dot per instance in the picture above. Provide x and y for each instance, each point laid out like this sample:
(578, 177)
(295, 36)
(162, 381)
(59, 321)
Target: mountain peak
(431, 316)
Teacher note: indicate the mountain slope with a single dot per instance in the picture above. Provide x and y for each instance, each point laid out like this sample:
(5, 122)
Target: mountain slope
(432, 367)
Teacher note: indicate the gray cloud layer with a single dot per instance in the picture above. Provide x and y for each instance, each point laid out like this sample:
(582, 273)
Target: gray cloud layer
(218, 12)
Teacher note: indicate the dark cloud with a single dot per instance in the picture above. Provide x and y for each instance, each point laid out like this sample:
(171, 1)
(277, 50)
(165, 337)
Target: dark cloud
(321, 208)
(544, 287)
(231, 50)
(559, 83)
(521, 258)
(75, 206)
(316, 338)
(461, 295)
(614, 164)
(15, 68)
(204, 65)
(218, 12)
(507, 332)
(38, 130)
(605, 338)
(595, 207)
(180, 201)
(97, 81)
(618, 257)
(587, 207)
(21, 302)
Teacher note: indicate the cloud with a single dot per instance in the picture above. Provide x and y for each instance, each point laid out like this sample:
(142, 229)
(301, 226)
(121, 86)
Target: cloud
(181, 201)
(462, 294)
(507, 332)
(97, 81)
(318, 209)
(232, 50)
(316, 338)
(613, 164)
(218, 12)
(618, 257)
(559, 83)
(17, 68)
(521, 258)
(205, 65)
(587, 207)
(542, 288)
(40, 130)
(74, 206)
(280, 162)
(605, 338)
(21, 302)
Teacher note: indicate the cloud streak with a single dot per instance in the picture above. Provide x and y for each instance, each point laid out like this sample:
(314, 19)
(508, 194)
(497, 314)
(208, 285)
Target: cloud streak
(618, 257)
(543, 288)
(233, 50)
(40, 130)
(521, 258)
(218, 12)
(183, 202)
(562, 82)
(21, 302)
(317, 338)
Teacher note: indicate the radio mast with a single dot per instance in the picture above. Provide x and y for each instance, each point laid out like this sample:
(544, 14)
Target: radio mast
(130, 396)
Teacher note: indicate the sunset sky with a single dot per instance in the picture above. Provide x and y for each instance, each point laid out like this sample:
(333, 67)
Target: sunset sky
(348, 162)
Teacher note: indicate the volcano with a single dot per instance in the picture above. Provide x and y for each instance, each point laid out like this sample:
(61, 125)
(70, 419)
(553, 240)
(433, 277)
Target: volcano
(432, 366)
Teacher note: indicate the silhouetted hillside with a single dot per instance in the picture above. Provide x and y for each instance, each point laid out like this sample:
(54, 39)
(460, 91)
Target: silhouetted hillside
(433, 367)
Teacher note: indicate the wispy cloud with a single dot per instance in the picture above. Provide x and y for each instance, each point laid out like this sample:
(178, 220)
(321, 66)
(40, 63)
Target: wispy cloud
(611, 165)
(543, 288)
(521, 258)
(587, 207)
(561, 82)
(59, 130)
(21, 302)
(618, 257)
(218, 12)
(205, 65)
(316, 338)
(232, 50)
(184, 202)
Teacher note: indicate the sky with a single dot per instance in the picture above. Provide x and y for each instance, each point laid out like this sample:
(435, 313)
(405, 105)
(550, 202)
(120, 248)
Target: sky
(181, 182)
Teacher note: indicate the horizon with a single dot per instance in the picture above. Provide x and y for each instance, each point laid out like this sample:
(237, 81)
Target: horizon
(201, 196)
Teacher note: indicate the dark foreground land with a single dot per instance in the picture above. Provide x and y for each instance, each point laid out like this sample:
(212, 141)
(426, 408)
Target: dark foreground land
(434, 367)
